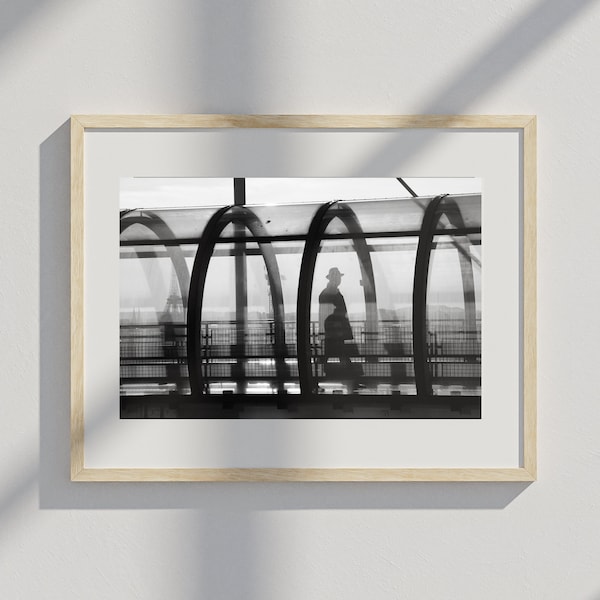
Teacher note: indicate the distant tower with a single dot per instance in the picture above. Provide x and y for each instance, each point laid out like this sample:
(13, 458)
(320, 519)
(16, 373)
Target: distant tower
(173, 310)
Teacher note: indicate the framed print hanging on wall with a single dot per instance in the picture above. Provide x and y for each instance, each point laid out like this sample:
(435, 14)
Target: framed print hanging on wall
(303, 298)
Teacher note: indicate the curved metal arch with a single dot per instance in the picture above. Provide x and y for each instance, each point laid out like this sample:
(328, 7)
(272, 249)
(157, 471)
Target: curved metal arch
(431, 218)
(156, 225)
(215, 226)
(324, 215)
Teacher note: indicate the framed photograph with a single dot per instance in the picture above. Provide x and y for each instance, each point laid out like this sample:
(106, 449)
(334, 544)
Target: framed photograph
(303, 298)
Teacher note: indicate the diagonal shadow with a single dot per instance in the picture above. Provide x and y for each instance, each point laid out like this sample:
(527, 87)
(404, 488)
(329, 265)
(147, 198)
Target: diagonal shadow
(481, 75)
(15, 15)
(233, 32)
(510, 50)
(54, 325)
(503, 54)
(521, 41)
(55, 489)
(228, 503)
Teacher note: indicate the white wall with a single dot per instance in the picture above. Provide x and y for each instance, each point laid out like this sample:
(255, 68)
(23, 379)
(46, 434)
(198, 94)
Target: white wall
(285, 541)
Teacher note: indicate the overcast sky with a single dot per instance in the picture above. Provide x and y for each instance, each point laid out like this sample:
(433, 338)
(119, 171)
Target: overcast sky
(155, 192)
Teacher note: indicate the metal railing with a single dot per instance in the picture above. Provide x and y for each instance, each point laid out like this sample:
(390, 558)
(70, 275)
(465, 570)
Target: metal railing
(153, 356)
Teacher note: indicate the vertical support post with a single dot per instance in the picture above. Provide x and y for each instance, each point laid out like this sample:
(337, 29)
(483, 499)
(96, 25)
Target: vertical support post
(241, 281)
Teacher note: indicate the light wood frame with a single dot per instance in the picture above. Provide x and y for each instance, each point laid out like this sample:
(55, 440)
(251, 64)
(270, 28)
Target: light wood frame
(525, 124)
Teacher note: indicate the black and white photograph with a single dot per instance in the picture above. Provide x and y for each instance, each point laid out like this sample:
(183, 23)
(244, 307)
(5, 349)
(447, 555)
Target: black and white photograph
(300, 298)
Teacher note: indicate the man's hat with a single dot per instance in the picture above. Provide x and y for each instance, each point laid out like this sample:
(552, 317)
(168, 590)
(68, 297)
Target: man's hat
(333, 271)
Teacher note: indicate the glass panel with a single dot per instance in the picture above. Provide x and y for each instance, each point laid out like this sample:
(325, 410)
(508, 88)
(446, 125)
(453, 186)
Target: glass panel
(274, 221)
(394, 267)
(460, 211)
(248, 339)
(395, 215)
(361, 329)
(183, 223)
(454, 316)
(152, 319)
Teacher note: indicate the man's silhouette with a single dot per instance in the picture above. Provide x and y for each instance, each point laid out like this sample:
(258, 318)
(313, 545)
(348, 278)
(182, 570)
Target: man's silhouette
(337, 332)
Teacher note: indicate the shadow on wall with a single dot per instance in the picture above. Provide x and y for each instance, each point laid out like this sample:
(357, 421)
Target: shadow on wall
(501, 57)
(231, 504)
(56, 491)
(17, 17)
(495, 63)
